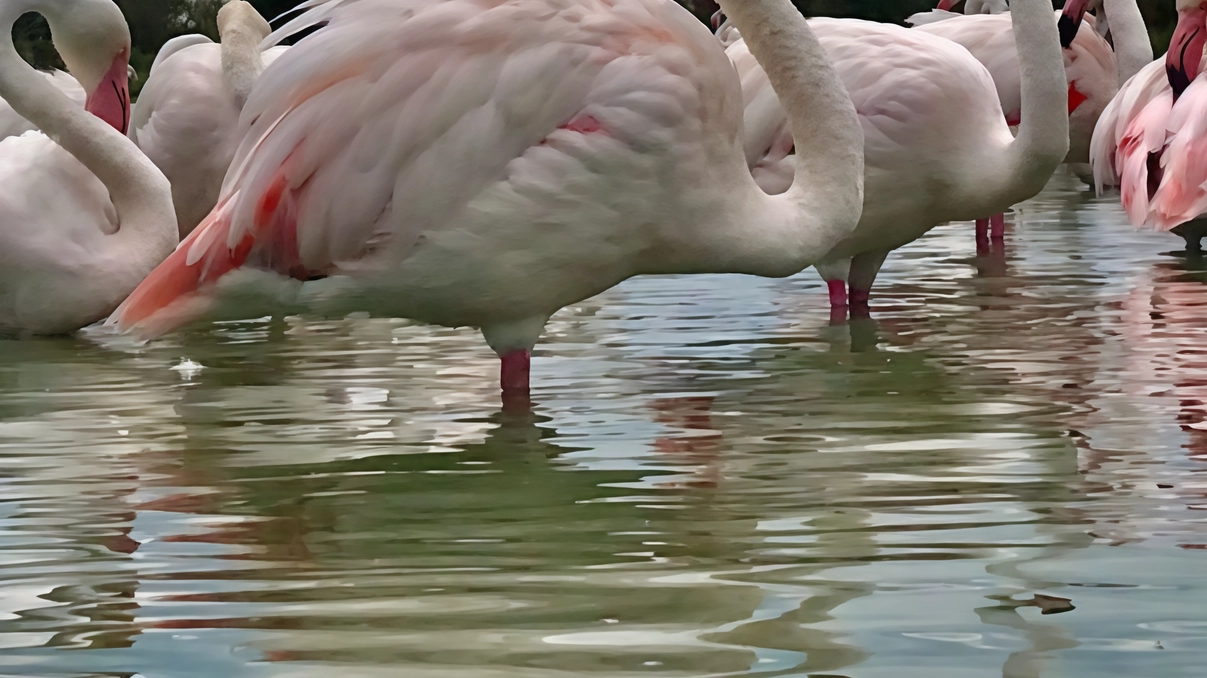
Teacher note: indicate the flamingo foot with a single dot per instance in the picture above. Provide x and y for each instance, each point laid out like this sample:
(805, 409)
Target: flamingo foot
(859, 303)
(997, 227)
(514, 371)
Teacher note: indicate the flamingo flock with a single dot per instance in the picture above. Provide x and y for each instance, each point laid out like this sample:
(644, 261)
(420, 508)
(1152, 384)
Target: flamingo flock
(486, 163)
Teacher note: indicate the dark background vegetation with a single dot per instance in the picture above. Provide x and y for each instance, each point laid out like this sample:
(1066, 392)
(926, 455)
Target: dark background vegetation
(152, 22)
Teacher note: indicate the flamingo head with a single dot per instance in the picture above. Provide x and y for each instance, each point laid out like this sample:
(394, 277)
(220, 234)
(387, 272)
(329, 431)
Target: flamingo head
(94, 41)
(718, 18)
(946, 5)
(1070, 20)
(238, 14)
(1184, 60)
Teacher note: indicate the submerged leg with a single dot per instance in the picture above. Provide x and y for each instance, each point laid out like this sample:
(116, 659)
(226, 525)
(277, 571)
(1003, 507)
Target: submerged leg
(982, 237)
(997, 227)
(514, 372)
(835, 274)
(864, 268)
(838, 293)
(513, 343)
(1194, 244)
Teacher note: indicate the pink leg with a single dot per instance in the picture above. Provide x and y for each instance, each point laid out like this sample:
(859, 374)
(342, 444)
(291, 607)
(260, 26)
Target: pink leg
(982, 237)
(859, 303)
(997, 224)
(838, 293)
(513, 375)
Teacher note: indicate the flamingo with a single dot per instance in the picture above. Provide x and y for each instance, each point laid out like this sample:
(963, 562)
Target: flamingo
(1151, 139)
(1089, 67)
(937, 146)
(485, 163)
(85, 215)
(187, 118)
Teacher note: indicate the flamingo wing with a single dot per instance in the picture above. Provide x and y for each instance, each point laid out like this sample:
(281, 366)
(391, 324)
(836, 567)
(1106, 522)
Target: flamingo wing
(1182, 193)
(1137, 155)
(375, 134)
(1128, 103)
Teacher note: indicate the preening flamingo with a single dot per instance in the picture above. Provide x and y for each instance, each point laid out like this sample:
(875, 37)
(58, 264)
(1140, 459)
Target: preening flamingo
(1152, 139)
(85, 216)
(187, 118)
(937, 146)
(486, 162)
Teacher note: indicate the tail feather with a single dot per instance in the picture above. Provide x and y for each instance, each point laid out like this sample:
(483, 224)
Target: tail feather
(173, 294)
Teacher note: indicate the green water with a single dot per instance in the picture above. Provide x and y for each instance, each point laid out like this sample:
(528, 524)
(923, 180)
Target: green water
(712, 481)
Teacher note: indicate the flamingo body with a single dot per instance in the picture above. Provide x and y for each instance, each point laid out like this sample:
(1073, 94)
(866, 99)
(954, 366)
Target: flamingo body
(45, 186)
(187, 122)
(1089, 65)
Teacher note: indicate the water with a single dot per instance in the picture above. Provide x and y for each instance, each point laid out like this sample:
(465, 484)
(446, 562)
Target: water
(712, 482)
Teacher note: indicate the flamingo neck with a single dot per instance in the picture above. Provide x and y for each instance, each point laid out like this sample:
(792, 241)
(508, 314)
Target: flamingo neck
(781, 235)
(242, 62)
(1043, 135)
(1133, 50)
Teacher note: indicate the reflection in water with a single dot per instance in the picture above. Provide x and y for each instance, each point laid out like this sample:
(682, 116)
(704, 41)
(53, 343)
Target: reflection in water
(711, 480)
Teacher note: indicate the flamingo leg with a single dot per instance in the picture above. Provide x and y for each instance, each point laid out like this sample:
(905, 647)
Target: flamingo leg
(982, 237)
(838, 293)
(864, 268)
(514, 372)
(997, 226)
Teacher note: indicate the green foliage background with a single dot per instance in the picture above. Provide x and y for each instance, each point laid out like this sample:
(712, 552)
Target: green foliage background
(153, 22)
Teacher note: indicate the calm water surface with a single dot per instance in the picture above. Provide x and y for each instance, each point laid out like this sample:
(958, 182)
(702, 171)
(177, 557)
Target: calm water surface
(1004, 475)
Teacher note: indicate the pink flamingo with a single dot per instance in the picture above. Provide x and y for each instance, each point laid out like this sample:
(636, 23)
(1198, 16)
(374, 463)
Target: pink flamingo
(85, 215)
(937, 146)
(1090, 68)
(1151, 140)
(487, 162)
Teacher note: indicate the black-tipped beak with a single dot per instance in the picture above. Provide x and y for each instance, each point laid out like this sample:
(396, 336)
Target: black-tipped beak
(1068, 29)
(718, 18)
(1179, 79)
(1070, 20)
(1183, 61)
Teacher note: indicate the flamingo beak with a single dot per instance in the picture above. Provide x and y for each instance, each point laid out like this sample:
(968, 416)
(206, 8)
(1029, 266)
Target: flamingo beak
(718, 18)
(1184, 59)
(110, 101)
(946, 5)
(1070, 20)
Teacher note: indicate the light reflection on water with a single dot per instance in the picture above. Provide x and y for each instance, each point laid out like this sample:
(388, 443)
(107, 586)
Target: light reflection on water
(713, 482)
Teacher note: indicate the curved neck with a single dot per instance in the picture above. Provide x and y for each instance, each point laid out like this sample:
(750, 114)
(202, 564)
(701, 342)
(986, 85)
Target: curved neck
(141, 195)
(1043, 135)
(1133, 50)
(241, 60)
(786, 233)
